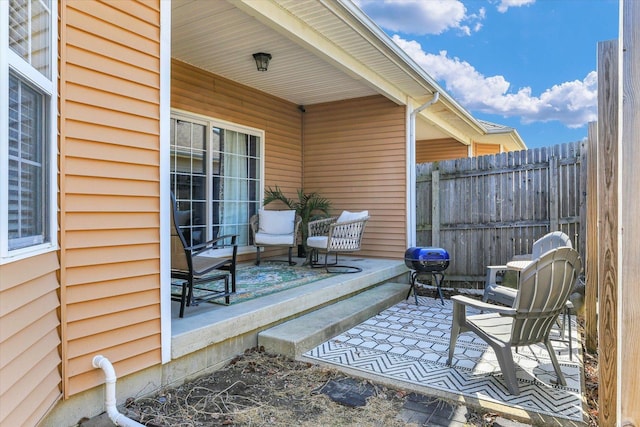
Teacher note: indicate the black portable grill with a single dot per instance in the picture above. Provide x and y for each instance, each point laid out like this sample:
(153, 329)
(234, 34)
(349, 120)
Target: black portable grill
(426, 260)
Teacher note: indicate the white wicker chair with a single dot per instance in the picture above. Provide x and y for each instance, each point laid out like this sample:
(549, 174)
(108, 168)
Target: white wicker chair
(336, 235)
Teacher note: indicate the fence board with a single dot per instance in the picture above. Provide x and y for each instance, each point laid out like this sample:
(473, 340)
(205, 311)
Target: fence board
(487, 209)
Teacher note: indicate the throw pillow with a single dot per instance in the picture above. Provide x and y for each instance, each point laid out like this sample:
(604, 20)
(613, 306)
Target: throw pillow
(276, 222)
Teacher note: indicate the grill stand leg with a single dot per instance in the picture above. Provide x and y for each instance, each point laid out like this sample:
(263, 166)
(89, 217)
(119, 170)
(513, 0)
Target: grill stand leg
(437, 278)
(414, 274)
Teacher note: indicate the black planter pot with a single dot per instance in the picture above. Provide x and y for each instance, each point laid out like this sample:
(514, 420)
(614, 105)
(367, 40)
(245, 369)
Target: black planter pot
(302, 251)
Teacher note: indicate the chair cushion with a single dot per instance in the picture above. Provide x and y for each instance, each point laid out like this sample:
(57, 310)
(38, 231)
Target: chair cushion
(318, 242)
(276, 222)
(347, 216)
(274, 239)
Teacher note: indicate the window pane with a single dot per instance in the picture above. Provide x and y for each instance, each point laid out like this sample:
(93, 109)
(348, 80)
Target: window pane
(27, 166)
(29, 32)
(223, 172)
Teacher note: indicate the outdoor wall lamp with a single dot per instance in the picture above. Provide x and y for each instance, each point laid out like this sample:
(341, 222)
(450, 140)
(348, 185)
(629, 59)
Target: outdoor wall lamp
(262, 60)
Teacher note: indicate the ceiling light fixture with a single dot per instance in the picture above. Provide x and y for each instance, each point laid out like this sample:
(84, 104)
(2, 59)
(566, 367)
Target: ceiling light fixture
(262, 60)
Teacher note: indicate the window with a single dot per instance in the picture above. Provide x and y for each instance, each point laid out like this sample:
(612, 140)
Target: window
(27, 112)
(216, 173)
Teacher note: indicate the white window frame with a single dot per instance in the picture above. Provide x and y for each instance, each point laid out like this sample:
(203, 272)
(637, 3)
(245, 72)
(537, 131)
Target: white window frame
(48, 86)
(211, 122)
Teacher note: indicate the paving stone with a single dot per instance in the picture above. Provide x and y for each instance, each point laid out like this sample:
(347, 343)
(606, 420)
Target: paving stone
(348, 391)
(431, 411)
(503, 422)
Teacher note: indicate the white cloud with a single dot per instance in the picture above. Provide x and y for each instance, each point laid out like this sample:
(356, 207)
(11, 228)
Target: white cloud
(504, 5)
(422, 17)
(571, 103)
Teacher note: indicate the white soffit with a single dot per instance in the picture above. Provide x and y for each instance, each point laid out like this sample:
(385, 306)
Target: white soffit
(321, 53)
(218, 37)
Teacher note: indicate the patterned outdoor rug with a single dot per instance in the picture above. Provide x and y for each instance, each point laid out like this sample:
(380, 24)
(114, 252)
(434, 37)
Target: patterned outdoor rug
(267, 278)
(411, 343)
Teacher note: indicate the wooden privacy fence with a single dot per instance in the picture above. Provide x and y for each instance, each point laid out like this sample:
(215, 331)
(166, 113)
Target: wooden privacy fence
(484, 210)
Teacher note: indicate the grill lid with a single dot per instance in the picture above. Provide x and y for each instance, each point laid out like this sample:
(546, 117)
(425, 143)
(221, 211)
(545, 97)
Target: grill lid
(426, 259)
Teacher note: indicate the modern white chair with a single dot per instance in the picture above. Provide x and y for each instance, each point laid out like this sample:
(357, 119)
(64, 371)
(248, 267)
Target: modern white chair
(275, 228)
(337, 235)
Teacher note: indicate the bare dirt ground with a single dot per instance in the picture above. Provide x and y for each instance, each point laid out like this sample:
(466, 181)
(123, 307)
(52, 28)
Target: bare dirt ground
(260, 389)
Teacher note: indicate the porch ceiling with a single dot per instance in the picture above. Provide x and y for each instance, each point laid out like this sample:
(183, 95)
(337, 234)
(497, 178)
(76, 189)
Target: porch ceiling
(323, 51)
(220, 38)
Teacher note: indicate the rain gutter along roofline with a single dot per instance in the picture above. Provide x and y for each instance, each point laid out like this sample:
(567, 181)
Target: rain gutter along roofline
(406, 63)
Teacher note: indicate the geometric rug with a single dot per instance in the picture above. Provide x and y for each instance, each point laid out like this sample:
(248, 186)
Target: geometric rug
(269, 277)
(411, 343)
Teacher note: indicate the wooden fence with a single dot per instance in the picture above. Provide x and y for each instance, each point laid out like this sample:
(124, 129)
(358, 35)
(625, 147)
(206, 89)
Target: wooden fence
(486, 209)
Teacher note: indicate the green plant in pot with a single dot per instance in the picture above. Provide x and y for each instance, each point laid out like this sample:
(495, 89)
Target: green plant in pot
(310, 206)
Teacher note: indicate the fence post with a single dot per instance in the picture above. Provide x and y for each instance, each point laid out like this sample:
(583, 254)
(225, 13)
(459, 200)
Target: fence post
(608, 232)
(435, 208)
(591, 251)
(554, 176)
(629, 291)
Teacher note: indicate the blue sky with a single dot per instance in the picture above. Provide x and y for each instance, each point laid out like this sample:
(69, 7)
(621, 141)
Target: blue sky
(527, 64)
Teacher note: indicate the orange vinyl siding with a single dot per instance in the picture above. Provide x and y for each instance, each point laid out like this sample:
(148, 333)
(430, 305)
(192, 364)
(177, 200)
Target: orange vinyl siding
(440, 149)
(354, 155)
(197, 91)
(29, 338)
(486, 149)
(109, 181)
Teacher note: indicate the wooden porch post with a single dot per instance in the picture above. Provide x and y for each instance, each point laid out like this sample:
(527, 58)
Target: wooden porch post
(629, 267)
(608, 230)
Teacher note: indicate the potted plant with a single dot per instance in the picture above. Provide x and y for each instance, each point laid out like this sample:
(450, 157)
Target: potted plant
(310, 206)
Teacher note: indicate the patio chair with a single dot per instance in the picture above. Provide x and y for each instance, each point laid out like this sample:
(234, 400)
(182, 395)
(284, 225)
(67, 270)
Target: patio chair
(506, 295)
(544, 288)
(275, 228)
(336, 235)
(194, 265)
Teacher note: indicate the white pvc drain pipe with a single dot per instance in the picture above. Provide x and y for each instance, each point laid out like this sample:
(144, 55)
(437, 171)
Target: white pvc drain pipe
(110, 393)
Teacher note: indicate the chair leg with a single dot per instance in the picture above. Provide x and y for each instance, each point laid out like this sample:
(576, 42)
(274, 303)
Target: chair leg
(459, 318)
(508, 368)
(190, 292)
(291, 262)
(569, 337)
(455, 331)
(226, 290)
(257, 255)
(337, 268)
(554, 361)
(183, 298)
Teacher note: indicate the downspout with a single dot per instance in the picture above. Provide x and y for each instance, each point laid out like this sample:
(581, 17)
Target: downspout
(110, 393)
(411, 190)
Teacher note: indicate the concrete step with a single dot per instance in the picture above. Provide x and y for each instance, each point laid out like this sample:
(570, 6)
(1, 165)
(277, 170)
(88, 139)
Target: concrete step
(298, 335)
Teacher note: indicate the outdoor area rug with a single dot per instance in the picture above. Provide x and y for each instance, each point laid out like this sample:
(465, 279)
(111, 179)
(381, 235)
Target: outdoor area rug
(410, 343)
(269, 277)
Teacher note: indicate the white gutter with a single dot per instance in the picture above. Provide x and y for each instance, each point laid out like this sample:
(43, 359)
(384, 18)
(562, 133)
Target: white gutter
(411, 161)
(404, 61)
(110, 393)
